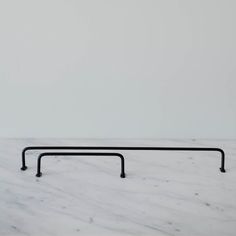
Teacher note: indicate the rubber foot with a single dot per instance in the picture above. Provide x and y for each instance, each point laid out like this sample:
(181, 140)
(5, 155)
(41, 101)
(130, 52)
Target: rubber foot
(24, 168)
(38, 174)
(122, 175)
(222, 170)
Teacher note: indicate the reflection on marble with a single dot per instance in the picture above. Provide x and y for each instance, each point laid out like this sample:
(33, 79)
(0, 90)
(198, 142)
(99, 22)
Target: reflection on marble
(165, 193)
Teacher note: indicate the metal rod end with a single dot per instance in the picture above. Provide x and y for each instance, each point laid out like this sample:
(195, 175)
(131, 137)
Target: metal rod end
(122, 175)
(24, 168)
(38, 174)
(222, 170)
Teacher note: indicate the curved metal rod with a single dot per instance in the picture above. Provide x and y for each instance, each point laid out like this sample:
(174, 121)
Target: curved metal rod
(39, 173)
(222, 168)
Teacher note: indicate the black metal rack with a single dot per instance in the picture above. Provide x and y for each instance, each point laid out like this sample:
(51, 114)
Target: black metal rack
(24, 167)
(39, 173)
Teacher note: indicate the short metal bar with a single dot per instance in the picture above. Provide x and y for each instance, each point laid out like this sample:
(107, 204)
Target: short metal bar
(222, 168)
(39, 173)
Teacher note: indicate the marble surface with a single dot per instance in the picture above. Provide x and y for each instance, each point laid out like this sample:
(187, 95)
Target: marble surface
(165, 193)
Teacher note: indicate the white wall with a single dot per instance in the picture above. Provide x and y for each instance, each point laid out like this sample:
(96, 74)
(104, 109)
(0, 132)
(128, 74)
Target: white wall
(118, 68)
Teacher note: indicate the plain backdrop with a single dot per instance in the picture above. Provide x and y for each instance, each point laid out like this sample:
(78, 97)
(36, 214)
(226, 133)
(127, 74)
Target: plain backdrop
(118, 68)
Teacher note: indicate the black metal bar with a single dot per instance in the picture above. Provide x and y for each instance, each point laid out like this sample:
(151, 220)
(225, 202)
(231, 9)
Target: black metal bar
(39, 173)
(222, 168)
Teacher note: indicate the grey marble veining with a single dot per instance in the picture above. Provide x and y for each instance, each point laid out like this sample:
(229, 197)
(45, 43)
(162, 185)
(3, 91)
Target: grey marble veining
(165, 193)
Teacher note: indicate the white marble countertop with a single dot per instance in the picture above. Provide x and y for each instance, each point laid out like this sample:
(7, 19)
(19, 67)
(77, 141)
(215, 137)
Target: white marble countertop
(165, 193)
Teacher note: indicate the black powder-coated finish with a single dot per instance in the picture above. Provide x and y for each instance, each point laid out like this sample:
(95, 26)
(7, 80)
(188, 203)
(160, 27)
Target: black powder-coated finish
(24, 167)
(39, 173)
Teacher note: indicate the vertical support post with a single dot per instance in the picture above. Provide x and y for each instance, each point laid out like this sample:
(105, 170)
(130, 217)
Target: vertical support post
(24, 167)
(222, 168)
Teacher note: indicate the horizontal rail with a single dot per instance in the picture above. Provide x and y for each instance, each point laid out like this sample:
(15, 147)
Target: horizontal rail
(222, 167)
(39, 173)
